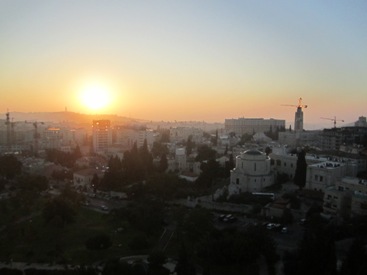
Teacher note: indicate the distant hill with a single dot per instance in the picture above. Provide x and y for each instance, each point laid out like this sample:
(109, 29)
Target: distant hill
(78, 118)
(67, 117)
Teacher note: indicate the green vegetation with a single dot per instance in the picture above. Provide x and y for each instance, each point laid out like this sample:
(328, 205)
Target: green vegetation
(34, 241)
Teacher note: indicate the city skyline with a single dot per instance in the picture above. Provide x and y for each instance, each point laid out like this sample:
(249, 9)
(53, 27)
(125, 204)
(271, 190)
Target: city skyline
(186, 60)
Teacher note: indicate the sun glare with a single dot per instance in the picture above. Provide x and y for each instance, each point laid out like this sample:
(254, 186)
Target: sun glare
(95, 97)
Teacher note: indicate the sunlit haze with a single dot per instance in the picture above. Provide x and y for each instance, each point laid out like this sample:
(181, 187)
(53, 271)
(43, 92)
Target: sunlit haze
(185, 60)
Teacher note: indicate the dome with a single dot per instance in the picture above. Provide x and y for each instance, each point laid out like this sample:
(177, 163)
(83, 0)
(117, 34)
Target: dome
(253, 152)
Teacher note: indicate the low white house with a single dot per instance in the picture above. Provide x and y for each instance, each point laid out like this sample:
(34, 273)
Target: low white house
(83, 178)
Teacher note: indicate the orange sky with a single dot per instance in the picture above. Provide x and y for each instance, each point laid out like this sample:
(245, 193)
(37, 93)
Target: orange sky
(186, 60)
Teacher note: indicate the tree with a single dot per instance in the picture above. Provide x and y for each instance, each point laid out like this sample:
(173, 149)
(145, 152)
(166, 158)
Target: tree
(58, 208)
(189, 145)
(301, 170)
(34, 183)
(98, 242)
(10, 166)
(355, 262)
(163, 164)
(156, 261)
(205, 153)
(184, 265)
(159, 149)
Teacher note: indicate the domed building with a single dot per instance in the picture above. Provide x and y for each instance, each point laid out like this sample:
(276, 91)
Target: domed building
(251, 174)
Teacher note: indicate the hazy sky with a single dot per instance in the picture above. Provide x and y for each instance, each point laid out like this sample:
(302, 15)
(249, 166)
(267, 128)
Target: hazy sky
(187, 60)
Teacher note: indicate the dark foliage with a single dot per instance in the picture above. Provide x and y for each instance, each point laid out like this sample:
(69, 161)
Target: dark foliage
(301, 170)
(98, 242)
(234, 248)
(316, 252)
(34, 183)
(156, 261)
(10, 166)
(145, 215)
(158, 149)
(59, 210)
(63, 158)
(10, 271)
(77, 271)
(205, 153)
(355, 262)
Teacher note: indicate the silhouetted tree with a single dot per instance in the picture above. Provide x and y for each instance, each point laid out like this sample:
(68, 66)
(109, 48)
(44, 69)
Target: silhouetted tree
(355, 262)
(98, 242)
(189, 145)
(10, 166)
(205, 153)
(159, 149)
(163, 164)
(184, 265)
(156, 261)
(59, 209)
(301, 170)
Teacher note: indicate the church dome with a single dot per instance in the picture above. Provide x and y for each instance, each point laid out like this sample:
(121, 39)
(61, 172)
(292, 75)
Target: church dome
(253, 152)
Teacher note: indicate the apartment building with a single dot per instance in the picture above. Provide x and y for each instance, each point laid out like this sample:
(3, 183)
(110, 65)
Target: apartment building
(242, 126)
(101, 136)
(348, 197)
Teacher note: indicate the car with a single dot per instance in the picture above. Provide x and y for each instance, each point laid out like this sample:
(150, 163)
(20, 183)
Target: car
(270, 226)
(104, 207)
(284, 230)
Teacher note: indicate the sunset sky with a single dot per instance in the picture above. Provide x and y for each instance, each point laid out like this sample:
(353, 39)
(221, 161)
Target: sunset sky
(186, 60)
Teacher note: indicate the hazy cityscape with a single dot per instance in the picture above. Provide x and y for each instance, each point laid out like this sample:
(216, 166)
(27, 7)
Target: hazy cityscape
(183, 137)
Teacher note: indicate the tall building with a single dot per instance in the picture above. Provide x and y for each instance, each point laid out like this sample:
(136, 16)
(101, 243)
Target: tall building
(102, 135)
(242, 126)
(298, 120)
(298, 116)
(361, 122)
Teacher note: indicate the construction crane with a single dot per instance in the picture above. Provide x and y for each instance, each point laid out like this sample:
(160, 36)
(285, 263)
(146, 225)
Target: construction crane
(300, 105)
(333, 119)
(298, 118)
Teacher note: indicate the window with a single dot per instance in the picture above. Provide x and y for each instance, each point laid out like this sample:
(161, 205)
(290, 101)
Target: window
(321, 178)
(291, 165)
(316, 177)
(279, 163)
(255, 166)
(237, 181)
(285, 164)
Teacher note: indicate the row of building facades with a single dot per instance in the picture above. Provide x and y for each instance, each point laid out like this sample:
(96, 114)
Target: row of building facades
(334, 174)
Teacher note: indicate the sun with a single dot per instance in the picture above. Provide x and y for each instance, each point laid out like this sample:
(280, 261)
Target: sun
(95, 96)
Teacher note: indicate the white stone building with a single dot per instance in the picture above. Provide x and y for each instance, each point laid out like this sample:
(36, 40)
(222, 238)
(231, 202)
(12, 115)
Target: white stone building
(324, 174)
(83, 178)
(348, 197)
(180, 158)
(251, 174)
